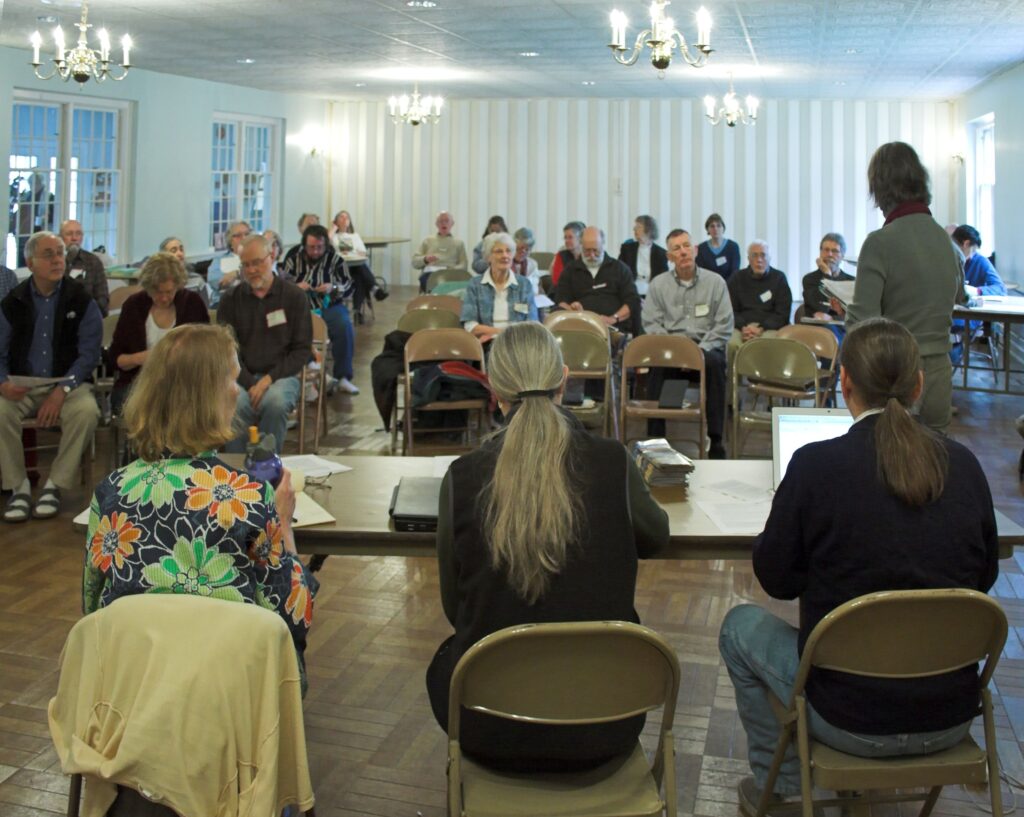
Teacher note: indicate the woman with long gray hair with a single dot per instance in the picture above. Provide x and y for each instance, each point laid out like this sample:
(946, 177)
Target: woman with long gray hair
(544, 522)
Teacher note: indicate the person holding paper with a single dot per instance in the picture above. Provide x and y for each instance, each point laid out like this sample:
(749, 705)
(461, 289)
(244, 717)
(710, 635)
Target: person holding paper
(908, 271)
(83, 266)
(223, 272)
(49, 328)
(440, 251)
(544, 522)
(272, 322)
(831, 251)
(912, 510)
(499, 297)
(179, 520)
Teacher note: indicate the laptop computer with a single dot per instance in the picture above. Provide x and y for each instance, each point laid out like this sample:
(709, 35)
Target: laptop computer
(414, 504)
(796, 427)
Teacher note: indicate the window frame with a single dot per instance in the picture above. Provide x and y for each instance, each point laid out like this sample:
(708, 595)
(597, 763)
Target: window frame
(981, 190)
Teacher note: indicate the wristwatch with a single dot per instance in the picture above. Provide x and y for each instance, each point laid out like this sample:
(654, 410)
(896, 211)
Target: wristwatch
(66, 390)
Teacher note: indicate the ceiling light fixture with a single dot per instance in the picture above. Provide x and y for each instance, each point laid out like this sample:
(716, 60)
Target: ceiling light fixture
(587, 82)
(662, 38)
(414, 110)
(731, 110)
(246, 61)
(81, 62)
(529, 53)
(421, 4)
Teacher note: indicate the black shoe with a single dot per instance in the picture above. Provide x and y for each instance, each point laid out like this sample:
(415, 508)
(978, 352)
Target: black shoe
(380, 294)
(716, 450)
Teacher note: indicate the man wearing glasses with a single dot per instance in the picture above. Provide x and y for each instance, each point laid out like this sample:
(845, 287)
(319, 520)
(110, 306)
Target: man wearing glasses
(271, 320)
(596, 282)
(223, 272)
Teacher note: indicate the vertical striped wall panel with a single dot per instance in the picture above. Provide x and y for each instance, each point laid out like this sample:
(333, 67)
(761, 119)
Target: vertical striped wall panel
(800, 172)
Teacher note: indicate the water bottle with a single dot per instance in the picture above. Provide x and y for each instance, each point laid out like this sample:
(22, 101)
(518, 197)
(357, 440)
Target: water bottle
(261, 460)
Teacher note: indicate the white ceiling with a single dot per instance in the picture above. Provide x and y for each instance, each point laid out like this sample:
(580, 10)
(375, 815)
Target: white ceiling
(781, 49)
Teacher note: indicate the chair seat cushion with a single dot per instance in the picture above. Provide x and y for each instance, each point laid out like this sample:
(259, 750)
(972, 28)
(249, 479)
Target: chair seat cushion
(621, 786)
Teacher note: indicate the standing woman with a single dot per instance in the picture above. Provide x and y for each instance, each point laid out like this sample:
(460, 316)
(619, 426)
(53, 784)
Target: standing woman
(509, 553)
(149, 315)
(480, 262)
(352, 249)
(718, 254)
(908, 271)
(499, 297)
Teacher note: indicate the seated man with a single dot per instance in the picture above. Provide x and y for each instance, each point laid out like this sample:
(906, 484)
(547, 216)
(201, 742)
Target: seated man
(275, 340)
(441, 250)
(223, 272)
(693, 302)
(49, 327)
(305, 220)
(829, 262)
(596, 282)
(761, 299)
(83, 266)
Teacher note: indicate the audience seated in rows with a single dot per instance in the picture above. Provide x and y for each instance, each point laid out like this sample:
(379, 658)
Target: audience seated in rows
(271, 320)
(596, 282)
(349, 245)
(499, 297)
(572, 233)
(761, 299)
(185, 522)
(441, 250)
(912, 511)
(693, 302)
(554, 536)
(49, 328)
(522, 263)
(831, 251)
(223, 271)
(718, 253)
(644, 258)
(480, 263)
(194, 282)
(149, 315)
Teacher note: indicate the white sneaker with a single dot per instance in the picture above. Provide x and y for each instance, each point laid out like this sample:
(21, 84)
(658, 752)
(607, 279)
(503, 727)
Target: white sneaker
(348, 386)
(311, 393)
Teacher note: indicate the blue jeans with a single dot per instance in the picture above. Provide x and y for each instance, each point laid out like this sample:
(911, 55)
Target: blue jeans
(760, 652)
(277, 403)
(343, 339)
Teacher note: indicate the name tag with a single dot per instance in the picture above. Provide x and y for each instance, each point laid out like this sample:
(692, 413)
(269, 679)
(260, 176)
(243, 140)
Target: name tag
(522, 308)
(701, 310)
(599, 286)
(766, 296)
(76, 273)
(721, 260)
(276, 318)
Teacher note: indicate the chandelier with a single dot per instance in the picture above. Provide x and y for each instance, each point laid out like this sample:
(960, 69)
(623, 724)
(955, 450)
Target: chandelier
(732, 110)
(415, 110)
(81, 62)
(662, 38)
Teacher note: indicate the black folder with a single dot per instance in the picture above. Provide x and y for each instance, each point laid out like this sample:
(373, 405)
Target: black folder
(414, 504)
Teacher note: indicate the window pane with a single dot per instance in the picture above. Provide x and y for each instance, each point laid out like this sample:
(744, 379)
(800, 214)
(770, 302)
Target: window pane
(240, 157)
(33, 179)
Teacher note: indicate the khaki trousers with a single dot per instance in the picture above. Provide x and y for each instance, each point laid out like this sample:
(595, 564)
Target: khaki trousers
(78, 418)
(936, 404)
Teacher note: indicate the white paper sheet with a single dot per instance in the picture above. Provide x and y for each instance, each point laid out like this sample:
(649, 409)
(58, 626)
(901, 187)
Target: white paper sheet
(230, 263)
(743, 491)
(313, 466)
(542, 301)
(736, 517)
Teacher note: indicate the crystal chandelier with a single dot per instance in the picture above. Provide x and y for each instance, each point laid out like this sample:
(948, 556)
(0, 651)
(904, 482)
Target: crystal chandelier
(662, 38)
(732, 110)
(415, 110)
(81, 62)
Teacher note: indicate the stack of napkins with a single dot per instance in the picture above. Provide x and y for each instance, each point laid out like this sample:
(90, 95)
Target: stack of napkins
(660, 463)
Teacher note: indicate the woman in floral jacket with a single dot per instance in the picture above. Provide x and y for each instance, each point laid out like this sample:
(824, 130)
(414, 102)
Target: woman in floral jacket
(178, 519)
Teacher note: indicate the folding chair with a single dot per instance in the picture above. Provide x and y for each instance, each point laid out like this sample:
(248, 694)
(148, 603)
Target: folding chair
(447, 275)
(320, 345)
(588, 358)
(449, 302)
(825, 346)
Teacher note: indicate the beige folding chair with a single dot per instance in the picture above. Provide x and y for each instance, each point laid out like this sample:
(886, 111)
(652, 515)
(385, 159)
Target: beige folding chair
(544, 260)
(320, 345)
(447, 276)
(587, 356)
(556, 319)
(437, 345)
(667, 351)
(896, 634)
(120, 295)
(568, 673)
(417, 319)
(449, 302)
(823, 343)
(776, 369)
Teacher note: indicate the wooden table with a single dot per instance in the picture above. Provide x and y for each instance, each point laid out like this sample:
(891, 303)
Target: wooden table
(1008, 311)
(359, 500)
(376, 242)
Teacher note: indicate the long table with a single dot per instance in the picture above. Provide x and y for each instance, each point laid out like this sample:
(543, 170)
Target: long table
(359, 501)
(1007, 312)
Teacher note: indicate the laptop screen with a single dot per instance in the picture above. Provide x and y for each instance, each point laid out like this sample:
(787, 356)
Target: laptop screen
(796, 427)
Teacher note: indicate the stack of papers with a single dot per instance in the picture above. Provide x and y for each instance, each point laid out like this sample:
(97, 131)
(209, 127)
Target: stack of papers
(660, 464)
(313, 466)
(842, 291)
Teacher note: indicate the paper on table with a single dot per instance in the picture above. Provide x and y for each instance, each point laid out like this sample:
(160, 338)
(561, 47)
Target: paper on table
(230, 263)
(735, 489)
(25, 382)
(441, 465)
(309, 512)
(313, 466)
(542, 301)
(736, 517)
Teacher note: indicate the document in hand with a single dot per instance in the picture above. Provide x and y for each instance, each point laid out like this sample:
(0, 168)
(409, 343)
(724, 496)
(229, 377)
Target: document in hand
(842, 291)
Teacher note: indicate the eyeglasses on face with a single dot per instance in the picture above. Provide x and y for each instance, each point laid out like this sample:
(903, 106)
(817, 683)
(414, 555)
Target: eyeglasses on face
(256, 263)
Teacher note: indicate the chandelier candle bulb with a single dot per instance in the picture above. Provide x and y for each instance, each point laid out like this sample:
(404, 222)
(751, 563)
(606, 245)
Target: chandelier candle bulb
(709, 106)
(752, 103)
(104, 44)
(703, 28)
(37, 42)
(126, 47)
(58, 39)
(619, 23)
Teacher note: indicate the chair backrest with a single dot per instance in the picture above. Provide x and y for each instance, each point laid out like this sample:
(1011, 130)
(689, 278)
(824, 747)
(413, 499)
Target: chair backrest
(800, 313)
(583, 351)
(442, 344)
(447, 276)
(908, 634)
(544, 260)
(109, 325)
(556, 319)
(576, 672)
(775, 360)
(674, 351)
(450, 302)
(419, 319)
(121, 294)
(818, 339)
(319, 329)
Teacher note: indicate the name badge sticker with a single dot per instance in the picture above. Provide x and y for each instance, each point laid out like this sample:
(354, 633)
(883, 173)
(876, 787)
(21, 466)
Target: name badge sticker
(599, 286)
(522, 308)
(721, 260)
(702, 310)
(76, 273)
(276, 318)
(766, 296)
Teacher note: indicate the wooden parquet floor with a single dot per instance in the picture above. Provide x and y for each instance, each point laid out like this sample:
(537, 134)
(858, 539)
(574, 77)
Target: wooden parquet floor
(374, 748)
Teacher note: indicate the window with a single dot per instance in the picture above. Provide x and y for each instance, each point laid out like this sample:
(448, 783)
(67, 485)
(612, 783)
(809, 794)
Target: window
(243, 159)
(66, 162)
(981, 180)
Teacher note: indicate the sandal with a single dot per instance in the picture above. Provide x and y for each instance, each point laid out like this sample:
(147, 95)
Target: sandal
(48, 504)
(17, 508)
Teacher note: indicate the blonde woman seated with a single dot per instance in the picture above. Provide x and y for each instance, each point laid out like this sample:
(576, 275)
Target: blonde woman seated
(499, 297)
(512, 554)
(149, 315)
(178, 519)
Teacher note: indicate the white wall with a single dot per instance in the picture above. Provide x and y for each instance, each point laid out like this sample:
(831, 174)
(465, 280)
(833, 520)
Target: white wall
(171, 147)
(1001, 96)
(797, 174)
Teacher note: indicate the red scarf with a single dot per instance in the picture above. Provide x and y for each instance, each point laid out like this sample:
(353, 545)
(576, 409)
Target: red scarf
(908, 208)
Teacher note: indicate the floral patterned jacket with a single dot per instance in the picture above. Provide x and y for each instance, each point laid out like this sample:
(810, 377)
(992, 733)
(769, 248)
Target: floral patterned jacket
(196, 526)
